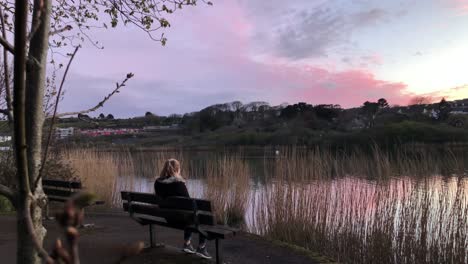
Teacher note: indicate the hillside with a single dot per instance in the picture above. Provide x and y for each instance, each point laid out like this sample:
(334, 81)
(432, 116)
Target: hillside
(258, 123)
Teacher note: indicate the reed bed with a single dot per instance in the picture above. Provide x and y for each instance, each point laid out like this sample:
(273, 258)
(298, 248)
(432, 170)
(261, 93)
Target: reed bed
(106, 173)
(323, 163)
(355, 220)
(228, 187)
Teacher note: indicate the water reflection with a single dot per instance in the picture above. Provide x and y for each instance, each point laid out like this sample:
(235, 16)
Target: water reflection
(353, 195)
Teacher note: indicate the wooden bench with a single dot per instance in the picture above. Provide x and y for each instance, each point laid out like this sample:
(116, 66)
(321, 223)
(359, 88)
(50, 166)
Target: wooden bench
(175, 212)
(61, 191)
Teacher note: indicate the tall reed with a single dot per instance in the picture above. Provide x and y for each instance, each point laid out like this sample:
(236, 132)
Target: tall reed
(106, 173)
(228, 188)
(95, 171)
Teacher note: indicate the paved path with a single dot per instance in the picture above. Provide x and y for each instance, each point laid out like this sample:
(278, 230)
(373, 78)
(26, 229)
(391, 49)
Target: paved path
(103, 243)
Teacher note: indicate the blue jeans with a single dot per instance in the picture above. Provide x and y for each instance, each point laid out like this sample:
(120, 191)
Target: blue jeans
(188, 236)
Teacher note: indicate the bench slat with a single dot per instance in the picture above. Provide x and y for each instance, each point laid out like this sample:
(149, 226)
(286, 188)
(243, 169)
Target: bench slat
(181, 203)
(63, 184)
(58, 192)
(219, 230)
(57, 199)
(171, 215)
(140, 197)
(184, 203)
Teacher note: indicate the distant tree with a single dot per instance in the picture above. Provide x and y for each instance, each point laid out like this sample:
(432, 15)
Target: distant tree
(254, 106)
(419, 100)
(236, 106)
(370, 110)
(444, 109)
(102, 116)
(327, 112)
(292, 111)
(149, 114)
(209, 120)
(382, 102)
(110, 117)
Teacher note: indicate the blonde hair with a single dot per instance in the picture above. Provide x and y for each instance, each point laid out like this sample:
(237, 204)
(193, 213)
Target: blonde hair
(171, 168)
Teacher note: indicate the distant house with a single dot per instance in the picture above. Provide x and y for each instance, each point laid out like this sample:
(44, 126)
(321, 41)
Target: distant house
(61, 133)
(460, 107)
(7, 148)
(161, 128)
(5, 138)
(463, 103)
(108, 132)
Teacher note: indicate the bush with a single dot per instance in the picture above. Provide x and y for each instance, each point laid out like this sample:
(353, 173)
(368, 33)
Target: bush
(5, 205)
(7, 171)
(398, 133)
(58, 169)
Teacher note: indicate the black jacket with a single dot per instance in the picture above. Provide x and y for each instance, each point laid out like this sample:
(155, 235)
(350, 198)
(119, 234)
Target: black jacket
(172, 186)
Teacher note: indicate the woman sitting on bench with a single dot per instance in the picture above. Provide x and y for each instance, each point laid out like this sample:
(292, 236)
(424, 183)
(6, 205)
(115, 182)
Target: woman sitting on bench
(171, 183)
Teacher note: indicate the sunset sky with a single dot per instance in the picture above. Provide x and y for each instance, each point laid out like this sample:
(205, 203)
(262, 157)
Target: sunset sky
(337, 51)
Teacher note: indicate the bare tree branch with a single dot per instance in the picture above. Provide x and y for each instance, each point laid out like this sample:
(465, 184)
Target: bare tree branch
(30, 226)
(36, 22)
(58, 31)
(8, 193)
(6, 69)
(49, 136)
(101, 103)
(7, 45)
(86, 119)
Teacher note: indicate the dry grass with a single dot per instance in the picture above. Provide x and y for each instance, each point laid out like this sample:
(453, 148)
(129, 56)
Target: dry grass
(228, 187)
(106, 173)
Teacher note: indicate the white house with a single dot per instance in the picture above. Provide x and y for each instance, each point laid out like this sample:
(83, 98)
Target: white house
(4, 138)
(62, 133)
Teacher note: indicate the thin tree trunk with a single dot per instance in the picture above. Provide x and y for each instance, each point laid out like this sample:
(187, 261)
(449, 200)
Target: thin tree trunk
(35, 84)
(34, 119)
(25, 251)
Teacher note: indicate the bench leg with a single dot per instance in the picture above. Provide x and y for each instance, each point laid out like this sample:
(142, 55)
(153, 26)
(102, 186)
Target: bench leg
(217, 251)
(47, 211)
(151, 236)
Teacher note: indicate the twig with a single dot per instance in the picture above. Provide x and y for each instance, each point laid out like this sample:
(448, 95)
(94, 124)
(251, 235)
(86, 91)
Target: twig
(49, 136)
(101, 103)
(58, 31)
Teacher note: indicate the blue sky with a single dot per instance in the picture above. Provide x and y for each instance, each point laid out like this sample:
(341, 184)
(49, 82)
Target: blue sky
(336, 51)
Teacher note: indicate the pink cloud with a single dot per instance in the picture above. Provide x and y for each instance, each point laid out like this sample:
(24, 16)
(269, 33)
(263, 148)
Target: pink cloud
(460, 5)
(350, 88)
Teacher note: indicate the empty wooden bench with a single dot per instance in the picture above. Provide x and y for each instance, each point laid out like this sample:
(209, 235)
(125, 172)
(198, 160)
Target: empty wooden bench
(61, 191)
(175, 212)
